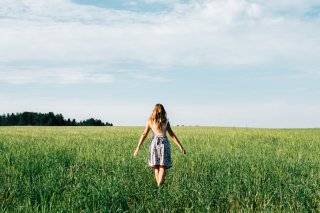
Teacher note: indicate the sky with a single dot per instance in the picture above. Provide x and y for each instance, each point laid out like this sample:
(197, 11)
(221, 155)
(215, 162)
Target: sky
(242, 63)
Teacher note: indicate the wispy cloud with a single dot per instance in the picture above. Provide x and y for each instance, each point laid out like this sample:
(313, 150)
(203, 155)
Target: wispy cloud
(154, 78)
(54, 76)
(202, 33)
(198, 33)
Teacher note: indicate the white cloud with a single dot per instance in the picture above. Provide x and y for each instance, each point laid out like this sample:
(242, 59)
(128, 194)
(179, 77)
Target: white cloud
(254, 10)
(199, 33)
(53, 76)
(153, 78)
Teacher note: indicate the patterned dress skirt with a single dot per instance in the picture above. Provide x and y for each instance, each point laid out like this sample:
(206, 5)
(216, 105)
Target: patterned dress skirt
(159, 152)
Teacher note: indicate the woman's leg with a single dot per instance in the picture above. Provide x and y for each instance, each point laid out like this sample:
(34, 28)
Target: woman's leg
(162, 175)
(156, 173)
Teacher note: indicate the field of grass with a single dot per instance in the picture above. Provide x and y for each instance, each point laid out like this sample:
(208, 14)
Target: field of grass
(91, 169)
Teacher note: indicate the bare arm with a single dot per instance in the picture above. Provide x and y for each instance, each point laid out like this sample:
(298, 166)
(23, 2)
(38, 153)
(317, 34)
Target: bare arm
(142, 138)
(175, 139)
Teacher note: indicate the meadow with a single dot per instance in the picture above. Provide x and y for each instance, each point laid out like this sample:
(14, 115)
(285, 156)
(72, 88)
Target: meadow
(92, 169)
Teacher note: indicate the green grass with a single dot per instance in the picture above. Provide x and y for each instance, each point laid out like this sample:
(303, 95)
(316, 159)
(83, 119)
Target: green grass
(91, 169)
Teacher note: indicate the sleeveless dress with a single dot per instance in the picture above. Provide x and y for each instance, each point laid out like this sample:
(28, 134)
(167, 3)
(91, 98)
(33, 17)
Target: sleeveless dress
(159, 149)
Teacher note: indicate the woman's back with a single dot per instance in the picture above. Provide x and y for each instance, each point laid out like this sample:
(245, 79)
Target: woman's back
(156, 131)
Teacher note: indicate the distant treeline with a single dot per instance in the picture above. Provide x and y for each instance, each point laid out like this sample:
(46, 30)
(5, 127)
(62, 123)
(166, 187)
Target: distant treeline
(45, 119)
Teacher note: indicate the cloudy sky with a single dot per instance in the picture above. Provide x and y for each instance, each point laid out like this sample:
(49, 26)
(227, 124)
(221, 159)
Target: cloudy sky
(249, 63)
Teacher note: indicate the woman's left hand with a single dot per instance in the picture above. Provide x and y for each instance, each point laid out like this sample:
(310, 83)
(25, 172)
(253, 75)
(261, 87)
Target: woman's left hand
(136, 152)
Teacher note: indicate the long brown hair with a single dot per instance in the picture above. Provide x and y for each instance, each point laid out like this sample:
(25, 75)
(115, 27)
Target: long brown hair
(158, 116)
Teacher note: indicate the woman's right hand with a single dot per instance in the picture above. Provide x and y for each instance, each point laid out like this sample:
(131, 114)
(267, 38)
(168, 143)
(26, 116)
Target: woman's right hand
(183, 151)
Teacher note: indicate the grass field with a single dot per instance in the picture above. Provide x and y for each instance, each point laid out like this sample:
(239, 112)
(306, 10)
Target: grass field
(91, 169)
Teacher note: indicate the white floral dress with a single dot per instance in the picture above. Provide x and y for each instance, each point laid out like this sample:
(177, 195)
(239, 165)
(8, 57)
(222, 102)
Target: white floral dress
(159, 149)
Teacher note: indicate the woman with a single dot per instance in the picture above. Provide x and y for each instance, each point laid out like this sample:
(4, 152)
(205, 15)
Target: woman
(159, 150)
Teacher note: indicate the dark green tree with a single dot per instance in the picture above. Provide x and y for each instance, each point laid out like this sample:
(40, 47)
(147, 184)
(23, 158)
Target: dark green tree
(46, 119)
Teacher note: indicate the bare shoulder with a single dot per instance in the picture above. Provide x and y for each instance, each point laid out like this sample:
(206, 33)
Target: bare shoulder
(148, 124)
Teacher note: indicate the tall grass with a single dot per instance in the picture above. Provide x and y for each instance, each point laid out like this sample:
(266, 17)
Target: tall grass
(91, 169)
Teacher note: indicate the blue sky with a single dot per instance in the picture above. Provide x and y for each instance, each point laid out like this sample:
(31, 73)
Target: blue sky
(242, 63)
